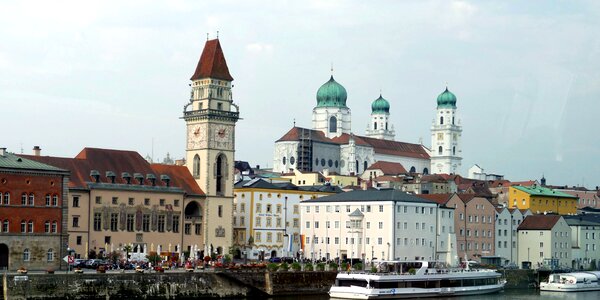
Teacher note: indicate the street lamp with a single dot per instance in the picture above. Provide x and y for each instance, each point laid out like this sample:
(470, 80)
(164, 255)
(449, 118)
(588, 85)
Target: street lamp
(388, 244)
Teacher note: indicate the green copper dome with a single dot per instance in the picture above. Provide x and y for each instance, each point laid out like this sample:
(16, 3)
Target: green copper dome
(330, 94)
(380, 105)
(446, 99)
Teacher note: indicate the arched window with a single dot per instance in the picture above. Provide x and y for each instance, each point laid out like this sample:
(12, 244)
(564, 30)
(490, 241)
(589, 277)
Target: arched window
(453, 150)
(322, 162)
(23, 226)
(440, 150)
(220, 173)
(47, 226)
(54, 227)
(386, 128)
(24, 199)
(55, 200)
(441, 120)
(30, 226)
(1, 198)
(412, 169)
(365, 166)
(330, 163)
(6, 226)
(333, 124)
(31, 199)
(50, 255)
(375, 125)
(7, 198)
(284, 160)
(292, 160)
(196, 166)
(452, 120)
(47, 199)
(356, 166)
(26, 255)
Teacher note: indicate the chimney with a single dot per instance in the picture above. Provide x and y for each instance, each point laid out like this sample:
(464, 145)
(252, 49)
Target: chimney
(2, 151)
(37, 150)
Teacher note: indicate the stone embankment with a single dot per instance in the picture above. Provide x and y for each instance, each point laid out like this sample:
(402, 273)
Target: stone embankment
(226, 284)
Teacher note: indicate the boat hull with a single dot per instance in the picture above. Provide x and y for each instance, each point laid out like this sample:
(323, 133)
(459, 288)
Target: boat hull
(557, 287)
(404, 293)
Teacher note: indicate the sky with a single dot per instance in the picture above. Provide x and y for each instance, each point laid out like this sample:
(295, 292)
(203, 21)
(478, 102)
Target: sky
(115, 74)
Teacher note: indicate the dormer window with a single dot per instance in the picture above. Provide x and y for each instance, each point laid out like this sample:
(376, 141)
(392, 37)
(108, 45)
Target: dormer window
(111, 176)
(151, 178)
(96, 175)
(126, 177)
(139, 177)
(166, 179)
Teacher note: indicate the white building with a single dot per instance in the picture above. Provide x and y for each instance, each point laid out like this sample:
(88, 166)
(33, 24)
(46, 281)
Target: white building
(477, 172)
(330, 143)
(544, 240)
(445, 136)
(376, 224)
(585, 240)
(266, 217)
(506, 224)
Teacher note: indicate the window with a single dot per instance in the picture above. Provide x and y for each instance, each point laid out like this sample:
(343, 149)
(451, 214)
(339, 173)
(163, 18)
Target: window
(269, 208)
(147, 201)
(47, 227)
(187, 229)
(146, 223)
(259, 208)
(221, 173)
(26, 254)
(75, 201)
(31, 199)
(197, 229)
(380, 225)
(54, 200)
(196, 166)
(161, 202)
(379, 241)
(24, 199)
(50, 255)
(243, 207)
(30, 226)
(441, 120)
(5, 226)
(48, 198)
(380, 208)
(333, 124)
(98, 200)
(97, 221)
(75, 221)
(129, 222)
(161, 223)
(176, 202)
(54, 227)
(220, 211)
(78, 240)
(175, 224)
(368, 208)
(114, 219)
(440, 150)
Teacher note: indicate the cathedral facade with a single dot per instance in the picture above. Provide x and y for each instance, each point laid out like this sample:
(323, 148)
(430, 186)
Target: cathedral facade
(331, 145)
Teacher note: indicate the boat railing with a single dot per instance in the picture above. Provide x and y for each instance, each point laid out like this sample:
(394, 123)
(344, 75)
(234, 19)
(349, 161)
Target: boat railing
(427, 272)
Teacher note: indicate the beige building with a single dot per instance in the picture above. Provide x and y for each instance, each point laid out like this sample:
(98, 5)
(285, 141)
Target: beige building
(544, 240)
(117, 199)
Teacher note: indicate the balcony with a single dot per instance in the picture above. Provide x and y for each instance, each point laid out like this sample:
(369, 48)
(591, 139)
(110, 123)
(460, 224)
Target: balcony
(211, 114)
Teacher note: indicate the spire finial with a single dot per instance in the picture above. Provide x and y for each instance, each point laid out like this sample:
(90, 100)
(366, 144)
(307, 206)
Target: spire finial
(331, 68)
(294, 122)
(379, 93)
(217, 34)
(207, 36)
(446, 85)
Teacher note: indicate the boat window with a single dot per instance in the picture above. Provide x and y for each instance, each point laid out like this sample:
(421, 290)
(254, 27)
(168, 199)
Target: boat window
(350, 282)
(450, 283)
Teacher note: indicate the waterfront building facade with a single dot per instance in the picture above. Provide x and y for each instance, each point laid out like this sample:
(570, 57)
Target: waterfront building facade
(506, 223)
(544, 240)
(266, 217)
(585, 241)
(446, 133)
(33, 214)
(372, 224)
(117, 201)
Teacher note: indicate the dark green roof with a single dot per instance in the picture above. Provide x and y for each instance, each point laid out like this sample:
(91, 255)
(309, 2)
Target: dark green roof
(372, 195)
(536, 190)
(446, 100)
(583, 220)
(380, 105)
(11, 161)
(331, 94)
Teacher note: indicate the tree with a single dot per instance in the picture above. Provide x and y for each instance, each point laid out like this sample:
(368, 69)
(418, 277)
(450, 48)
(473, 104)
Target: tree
(153, 258)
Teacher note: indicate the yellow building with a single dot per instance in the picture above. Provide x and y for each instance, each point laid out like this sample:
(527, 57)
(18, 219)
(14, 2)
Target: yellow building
(539, 199)
(315, 178)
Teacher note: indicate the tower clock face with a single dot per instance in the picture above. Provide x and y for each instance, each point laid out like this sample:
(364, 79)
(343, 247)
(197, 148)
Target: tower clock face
(222, 136)
(196, 136)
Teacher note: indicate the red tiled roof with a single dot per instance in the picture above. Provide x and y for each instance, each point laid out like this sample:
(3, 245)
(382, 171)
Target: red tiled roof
(539, 222)
(523, 183)
(379, 146)
(438, 198)
(466, 197)
(439, 178)
(117, 161)
(499, 183)
(388, 168)
(212, 63)
(387, 178)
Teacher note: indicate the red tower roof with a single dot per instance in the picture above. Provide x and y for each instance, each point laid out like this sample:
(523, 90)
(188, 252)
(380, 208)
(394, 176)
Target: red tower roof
(212, 63)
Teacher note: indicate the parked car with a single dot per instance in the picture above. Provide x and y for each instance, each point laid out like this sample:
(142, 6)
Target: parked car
(79, 263)
(287, 260)
(275, 259)
(93, 263)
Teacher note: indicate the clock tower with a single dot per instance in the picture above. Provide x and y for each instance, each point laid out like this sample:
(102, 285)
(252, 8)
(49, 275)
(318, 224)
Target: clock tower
(210, 118)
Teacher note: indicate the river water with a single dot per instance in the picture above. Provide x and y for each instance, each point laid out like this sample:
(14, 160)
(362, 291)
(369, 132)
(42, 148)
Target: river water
(507, 294)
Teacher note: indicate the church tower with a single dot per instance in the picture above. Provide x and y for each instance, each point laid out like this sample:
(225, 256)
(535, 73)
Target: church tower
(210, 118)
(379, 127)
(331, 115)
(445, 136)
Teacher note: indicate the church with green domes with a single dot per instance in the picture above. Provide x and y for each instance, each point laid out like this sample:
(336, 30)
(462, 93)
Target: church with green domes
(331, 145)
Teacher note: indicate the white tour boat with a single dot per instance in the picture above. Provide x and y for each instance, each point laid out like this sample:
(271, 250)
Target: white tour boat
(572, 282)
(415, 279)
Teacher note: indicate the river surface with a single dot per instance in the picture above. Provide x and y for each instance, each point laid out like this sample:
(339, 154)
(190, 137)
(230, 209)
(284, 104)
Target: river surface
(507, 294)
